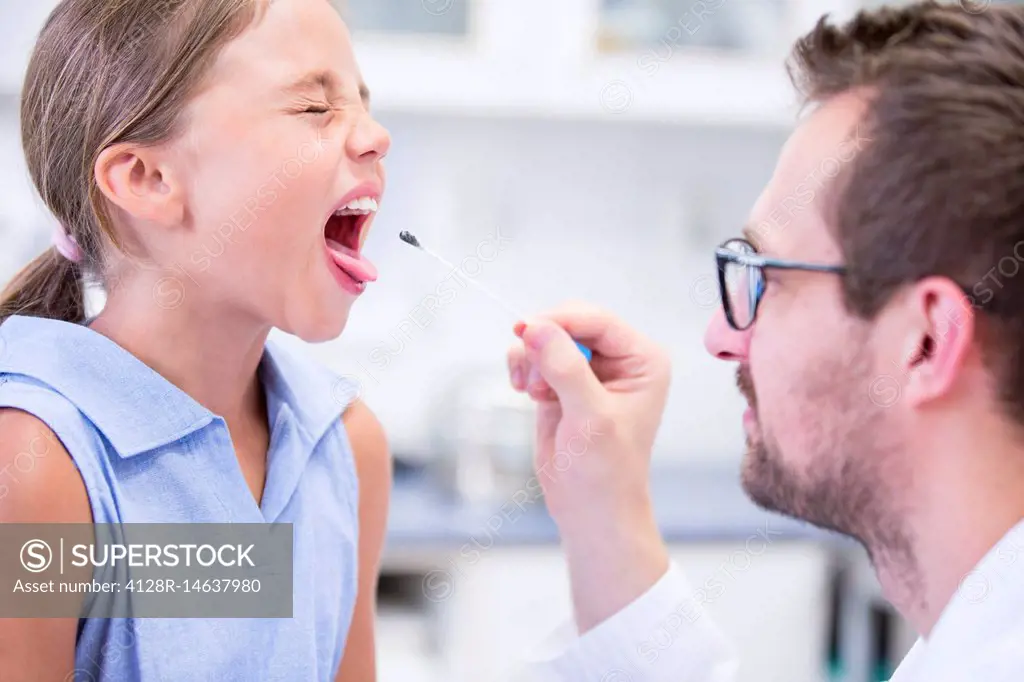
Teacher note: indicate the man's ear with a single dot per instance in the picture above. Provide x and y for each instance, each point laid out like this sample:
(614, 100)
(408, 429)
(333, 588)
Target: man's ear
(945, 335)
(140, 182)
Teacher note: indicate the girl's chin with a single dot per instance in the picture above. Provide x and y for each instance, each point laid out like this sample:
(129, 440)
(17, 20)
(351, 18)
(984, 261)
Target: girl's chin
(320, 324)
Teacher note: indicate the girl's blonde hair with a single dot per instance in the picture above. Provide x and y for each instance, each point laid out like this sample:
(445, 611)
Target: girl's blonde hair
(105, 72)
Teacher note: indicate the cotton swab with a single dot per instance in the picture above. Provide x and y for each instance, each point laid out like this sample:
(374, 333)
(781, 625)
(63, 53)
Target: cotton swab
(410, 239)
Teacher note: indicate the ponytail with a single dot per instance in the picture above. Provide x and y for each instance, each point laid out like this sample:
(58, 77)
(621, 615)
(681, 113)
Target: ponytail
(50, 286)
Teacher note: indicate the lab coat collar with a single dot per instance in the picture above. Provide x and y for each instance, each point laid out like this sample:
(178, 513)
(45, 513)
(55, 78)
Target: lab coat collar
(979, 634)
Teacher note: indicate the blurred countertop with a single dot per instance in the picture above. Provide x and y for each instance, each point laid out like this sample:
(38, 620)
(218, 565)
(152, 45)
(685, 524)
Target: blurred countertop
(691, 505)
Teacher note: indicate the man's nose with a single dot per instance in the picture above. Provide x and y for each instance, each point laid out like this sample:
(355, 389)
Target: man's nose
(724, 342)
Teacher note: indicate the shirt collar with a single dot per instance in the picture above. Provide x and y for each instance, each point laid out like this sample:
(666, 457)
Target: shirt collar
(134, 407)
(315, 396)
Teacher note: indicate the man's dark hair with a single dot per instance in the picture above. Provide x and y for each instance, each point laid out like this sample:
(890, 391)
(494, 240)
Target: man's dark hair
(939, 189)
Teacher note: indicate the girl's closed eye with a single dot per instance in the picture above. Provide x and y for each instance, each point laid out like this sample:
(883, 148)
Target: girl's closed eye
(314, 107)
(317, 109)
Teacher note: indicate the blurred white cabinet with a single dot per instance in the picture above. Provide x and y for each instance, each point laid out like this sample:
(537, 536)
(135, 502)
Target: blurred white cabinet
(711, 62)
(750, 27)
(773, 602)
(404, 17)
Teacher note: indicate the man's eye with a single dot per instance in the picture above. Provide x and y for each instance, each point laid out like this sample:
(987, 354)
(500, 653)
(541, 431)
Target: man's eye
(317, 110)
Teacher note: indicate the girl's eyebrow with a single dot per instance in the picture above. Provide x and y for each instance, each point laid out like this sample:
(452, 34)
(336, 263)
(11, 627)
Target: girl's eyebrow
(323, 81)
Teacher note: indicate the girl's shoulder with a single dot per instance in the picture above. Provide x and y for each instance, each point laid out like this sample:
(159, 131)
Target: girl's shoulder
(39, 480)
(53, 459)
(76, 379)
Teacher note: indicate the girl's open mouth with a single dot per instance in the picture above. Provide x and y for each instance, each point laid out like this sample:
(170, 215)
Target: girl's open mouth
(343, 234)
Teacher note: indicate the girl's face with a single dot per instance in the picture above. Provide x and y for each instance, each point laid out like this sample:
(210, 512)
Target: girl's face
(281, 171)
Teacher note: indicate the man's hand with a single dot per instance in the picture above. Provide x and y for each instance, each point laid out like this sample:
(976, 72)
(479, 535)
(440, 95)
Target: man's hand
(596, 425)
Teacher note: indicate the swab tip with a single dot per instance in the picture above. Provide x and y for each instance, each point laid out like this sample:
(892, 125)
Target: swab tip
(410, 238)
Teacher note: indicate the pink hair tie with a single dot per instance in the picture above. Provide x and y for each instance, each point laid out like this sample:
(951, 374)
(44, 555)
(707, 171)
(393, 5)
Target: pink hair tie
(66, 245)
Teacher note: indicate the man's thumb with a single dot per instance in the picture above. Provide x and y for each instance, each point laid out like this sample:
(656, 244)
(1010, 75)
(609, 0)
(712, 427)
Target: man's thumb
(553, 353)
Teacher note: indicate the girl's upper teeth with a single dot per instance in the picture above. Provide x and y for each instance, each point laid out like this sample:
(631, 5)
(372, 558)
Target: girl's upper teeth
(362, 206)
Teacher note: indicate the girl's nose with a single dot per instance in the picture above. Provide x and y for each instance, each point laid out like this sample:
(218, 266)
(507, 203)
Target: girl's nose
(369, 139)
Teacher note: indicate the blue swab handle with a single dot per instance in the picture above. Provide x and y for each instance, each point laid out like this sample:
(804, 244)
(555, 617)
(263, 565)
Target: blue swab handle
(587, 353)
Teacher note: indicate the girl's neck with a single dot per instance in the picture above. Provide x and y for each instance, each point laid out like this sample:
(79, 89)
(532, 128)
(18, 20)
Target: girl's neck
(212, 356)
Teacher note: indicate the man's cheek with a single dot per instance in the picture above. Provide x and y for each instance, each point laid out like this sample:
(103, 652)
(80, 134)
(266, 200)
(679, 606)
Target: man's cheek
(770, 372)
(777, 399)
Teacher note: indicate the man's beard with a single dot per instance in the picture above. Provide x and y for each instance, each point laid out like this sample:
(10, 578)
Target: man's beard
(850, 485)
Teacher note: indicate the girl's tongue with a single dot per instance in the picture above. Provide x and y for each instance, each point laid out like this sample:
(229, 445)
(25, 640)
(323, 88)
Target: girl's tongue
(350, 260)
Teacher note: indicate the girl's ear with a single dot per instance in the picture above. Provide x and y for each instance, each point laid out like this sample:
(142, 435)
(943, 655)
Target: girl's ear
(140, 181)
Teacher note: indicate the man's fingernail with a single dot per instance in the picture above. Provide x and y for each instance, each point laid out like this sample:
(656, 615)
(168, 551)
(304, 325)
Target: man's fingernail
(519, 329)
(539, 337)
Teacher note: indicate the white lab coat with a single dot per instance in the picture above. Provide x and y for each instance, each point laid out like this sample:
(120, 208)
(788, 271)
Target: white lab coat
(978, 637)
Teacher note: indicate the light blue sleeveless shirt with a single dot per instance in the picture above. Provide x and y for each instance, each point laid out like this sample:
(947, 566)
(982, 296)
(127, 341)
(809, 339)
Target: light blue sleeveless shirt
(148, 453)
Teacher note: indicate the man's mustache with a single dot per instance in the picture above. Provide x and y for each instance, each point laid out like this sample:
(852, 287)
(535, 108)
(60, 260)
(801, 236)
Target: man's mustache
(746, 384)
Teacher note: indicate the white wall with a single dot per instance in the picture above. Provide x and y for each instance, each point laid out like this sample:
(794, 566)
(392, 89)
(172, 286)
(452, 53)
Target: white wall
(23, 223)
(20, 22)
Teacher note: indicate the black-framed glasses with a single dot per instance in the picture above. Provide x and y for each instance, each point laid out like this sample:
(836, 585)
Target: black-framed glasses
(741, 281)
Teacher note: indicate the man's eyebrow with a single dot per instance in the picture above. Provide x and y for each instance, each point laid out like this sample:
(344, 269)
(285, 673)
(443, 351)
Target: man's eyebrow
(748, 234)
(323, 80)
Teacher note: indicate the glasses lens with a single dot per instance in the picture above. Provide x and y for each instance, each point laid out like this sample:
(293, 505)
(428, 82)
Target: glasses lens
(744, 285)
